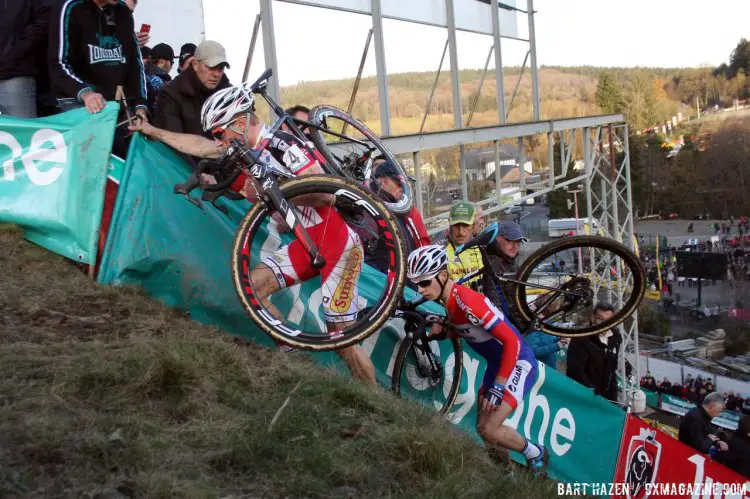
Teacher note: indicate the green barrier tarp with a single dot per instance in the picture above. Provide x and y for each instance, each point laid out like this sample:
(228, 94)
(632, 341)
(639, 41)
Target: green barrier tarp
(181, 255)
(652, 398)
(52, 178)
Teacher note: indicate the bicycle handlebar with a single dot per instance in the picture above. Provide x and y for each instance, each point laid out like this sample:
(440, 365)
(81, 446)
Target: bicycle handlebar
(258, 83)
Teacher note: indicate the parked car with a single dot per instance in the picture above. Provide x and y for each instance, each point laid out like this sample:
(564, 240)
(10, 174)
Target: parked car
(512, 210)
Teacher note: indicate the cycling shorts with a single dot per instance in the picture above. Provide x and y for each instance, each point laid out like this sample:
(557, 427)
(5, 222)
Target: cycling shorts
(342, 250)
(519, 383)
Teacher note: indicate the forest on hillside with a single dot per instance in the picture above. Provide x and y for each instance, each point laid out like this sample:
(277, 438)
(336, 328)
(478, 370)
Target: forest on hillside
(646, 96)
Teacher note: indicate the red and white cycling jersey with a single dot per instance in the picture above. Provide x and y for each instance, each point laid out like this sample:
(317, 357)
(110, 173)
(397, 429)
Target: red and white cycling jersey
(339, 245)
(492, 336)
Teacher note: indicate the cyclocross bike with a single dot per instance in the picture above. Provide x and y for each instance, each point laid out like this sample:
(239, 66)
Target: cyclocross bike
(543, 298)
(275, 220)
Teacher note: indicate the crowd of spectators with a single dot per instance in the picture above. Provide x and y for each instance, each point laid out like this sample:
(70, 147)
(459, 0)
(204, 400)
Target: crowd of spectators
(737, 249)
(58, 55)
(695, 390)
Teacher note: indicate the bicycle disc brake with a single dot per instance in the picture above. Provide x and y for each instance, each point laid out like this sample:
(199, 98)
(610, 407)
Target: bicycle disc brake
(428, 364)
(584, 293)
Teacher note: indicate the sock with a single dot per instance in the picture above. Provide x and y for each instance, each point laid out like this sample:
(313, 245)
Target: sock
(530, 451)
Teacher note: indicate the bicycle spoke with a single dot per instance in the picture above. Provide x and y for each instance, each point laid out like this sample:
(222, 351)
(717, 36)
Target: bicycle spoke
(585, 274)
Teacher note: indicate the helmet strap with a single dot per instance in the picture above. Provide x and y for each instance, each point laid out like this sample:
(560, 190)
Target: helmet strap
(442, 285)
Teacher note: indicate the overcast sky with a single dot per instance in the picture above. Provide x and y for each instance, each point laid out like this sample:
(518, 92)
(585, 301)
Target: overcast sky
(318, 44)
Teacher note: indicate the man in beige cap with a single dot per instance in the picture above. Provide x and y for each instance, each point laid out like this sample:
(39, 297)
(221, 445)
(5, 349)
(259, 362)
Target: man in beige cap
(178, 108)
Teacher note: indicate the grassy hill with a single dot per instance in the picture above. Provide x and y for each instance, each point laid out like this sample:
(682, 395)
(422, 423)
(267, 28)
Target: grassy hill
(105, 393)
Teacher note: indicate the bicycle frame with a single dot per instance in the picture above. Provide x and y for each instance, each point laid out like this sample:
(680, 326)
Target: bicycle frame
(292, 123)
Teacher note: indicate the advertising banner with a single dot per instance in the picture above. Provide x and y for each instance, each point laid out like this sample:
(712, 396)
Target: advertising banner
(653, 464)
(676, 405)
(470, 15)
(652, 398)
(52, 178)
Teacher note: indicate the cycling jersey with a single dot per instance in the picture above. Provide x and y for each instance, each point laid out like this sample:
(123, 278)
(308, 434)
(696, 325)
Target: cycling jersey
(285, 153)
(467, 262)
(493, 337)
(338, 244)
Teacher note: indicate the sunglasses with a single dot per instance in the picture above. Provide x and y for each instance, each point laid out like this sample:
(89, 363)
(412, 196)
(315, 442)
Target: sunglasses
(218, 133)
(425, 283)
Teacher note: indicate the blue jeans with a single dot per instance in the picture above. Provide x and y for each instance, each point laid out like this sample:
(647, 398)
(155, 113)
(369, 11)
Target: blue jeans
(18, 97)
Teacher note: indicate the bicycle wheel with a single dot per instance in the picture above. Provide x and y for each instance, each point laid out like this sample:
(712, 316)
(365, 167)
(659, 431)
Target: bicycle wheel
(419, 373)
(264, 260)
(347, 158)
(593, 269)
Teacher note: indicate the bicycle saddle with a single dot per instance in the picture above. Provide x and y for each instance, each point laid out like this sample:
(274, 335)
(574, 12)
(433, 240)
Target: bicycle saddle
(484, 238)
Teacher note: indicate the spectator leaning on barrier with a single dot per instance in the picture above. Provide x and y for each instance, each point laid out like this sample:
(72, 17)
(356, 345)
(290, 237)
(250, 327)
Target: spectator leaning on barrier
(461, 220)
(157, 72)
(94, 57)
(93, 51)
(592, 361)
(695, 428)
(187, 52)
(179, 106)
(23, 34)
(737, 457)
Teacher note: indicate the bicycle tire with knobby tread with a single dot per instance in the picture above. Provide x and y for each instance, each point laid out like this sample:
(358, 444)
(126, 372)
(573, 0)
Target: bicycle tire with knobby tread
(398, 369)
(639, 282)
(332, 165)
(310, 184)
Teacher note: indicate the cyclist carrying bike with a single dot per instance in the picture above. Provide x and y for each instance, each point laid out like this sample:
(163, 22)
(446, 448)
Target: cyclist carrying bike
(230, 114)
(511, 367)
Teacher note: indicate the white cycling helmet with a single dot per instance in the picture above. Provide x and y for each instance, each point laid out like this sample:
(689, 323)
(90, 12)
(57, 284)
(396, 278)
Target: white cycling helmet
(426, 262)
(223, 106)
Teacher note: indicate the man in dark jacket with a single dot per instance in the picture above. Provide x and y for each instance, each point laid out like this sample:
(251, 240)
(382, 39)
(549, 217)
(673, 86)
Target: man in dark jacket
(738, 455)
(592, 361)
(23, 34)
(93, 55)
(158, 67)
(695, 428)
(180, 103)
